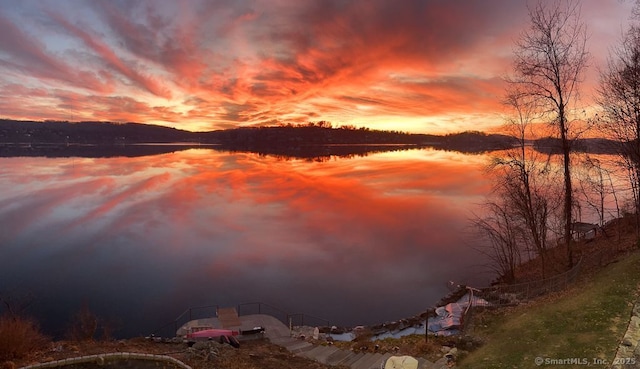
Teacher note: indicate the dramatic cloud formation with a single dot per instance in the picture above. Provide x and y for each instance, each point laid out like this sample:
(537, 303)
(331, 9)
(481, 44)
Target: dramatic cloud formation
(416, 65)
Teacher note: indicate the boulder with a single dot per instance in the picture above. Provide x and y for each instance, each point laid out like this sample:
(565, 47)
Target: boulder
(401, 362)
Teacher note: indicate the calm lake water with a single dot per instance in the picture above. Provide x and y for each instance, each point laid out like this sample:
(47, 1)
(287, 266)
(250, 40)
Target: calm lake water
(138, 240)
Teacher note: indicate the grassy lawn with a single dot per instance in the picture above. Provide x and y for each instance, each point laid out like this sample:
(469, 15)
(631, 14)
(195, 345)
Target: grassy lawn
(586, 321)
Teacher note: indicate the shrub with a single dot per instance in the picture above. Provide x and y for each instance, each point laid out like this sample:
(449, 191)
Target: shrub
(19, 337)
(84, 325)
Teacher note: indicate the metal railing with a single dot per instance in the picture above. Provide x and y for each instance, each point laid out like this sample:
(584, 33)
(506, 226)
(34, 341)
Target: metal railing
(290, 319)
(195, 312)
(514, 294)
(249, 308)
(510, 294)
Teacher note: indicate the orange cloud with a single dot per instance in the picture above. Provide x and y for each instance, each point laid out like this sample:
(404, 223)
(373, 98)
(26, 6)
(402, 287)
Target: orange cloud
(421, 66)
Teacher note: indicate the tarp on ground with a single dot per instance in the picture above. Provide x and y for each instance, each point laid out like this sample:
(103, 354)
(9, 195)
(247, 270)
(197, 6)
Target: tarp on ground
(401, 362)
(446, 322)
(449, 317)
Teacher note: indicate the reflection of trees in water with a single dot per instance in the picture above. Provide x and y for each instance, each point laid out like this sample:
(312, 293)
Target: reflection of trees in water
(323, 153)
(311, 153)
(89, 151)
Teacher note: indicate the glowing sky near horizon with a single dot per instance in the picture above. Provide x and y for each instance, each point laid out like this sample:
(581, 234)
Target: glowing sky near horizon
(414, 65)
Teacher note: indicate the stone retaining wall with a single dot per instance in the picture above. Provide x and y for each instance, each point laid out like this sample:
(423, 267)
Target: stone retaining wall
(628, 355)
(115, 360)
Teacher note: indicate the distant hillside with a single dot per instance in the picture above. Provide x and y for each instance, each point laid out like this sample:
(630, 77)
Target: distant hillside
(301, 140)
(105, 133)
(12, 131)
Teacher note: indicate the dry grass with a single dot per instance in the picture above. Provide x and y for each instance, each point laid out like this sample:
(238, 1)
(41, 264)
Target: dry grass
(412, 345)
(19, 338)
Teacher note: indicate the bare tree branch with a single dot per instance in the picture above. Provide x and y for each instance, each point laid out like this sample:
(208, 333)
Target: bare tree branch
(550, 59)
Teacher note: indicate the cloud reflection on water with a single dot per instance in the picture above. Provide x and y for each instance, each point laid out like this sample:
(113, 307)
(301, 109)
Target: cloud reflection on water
(357, 241)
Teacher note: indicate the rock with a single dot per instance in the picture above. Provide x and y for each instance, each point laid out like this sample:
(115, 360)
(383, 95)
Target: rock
(635, 322)
(627, 341)
(445, 349)
(212, 355)
(205, 345)
(441, 364)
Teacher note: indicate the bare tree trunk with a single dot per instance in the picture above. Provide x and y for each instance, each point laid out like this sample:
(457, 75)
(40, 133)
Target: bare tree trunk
(550, 59)
(568, 191)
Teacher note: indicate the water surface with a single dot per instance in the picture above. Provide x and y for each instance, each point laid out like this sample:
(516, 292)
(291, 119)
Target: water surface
(138, 240)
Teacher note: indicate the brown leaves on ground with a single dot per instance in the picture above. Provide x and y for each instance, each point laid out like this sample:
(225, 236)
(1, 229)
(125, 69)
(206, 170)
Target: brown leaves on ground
(614, 240)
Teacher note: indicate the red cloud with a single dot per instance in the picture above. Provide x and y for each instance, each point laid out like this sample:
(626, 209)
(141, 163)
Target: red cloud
(223, 64)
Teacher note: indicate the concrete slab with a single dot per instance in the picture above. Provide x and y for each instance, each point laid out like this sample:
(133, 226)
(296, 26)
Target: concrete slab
(353, 359)
(323, 355)
(337, 357)
(298, 345)
(282, 341)
(364, 362)
(316, 350)
(293, 344)
(273, 327)
(372, 362)
(302, 349)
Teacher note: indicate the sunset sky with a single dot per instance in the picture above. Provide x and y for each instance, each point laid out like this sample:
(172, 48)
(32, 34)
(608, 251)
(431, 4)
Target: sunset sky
(412, 65)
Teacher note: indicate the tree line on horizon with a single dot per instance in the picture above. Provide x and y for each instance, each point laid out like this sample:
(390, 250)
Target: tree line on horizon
(282, 139)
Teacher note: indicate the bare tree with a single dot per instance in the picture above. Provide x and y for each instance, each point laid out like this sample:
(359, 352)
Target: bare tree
(524, 175)
(503, 234)
(596, 185)
(550, 58)
(84, 325)
(619, 99)
(517, 218)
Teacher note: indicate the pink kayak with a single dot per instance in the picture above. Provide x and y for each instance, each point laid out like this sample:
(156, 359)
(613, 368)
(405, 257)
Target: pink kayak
(212, 333)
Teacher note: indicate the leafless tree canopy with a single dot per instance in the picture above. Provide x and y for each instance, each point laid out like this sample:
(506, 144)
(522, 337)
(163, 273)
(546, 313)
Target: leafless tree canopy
(522, 202)
(550, 58)
(619, 99)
